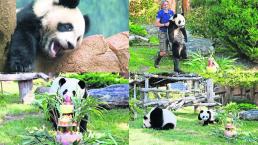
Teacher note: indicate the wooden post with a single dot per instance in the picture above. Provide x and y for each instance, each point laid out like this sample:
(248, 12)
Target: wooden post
(25, 91)
(185, 6)
(210, 93)
(134, 90)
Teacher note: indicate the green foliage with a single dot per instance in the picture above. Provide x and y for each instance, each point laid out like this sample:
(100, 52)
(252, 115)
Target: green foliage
(98, 80)
(154, 40)
(232, 23)
(246, 106)
(137, 29)
(88, 106)
(92, 139)
(39, 136)
(134, 108)
(143, 11)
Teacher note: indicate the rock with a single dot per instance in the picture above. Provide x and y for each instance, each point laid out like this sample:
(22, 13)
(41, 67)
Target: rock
(249, 115)
(96, 54)
(202, 45)
(42, 90)
(114, 95)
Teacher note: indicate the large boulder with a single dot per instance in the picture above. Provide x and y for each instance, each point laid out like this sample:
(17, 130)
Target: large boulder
(114, 95)
(96, 54)
(249, 115)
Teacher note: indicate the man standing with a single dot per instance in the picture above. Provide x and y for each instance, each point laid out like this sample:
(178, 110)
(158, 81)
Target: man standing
(162, 21)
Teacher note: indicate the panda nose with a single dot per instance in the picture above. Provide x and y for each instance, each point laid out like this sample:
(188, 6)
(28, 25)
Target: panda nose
(70, 45)
(179, 22)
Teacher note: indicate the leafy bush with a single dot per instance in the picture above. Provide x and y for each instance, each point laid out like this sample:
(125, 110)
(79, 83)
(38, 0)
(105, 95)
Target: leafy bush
(154, 40)
(143, 11)
(232, 23)
(246, 106)
(98, 80)
(137, 29)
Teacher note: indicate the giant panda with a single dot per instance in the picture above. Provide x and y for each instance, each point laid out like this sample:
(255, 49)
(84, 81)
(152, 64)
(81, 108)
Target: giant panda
(178, 38)
(207, 116)
(66, 88)
(160, 119)
(45, 29)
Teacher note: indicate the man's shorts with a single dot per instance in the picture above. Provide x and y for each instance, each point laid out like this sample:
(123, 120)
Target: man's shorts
(163, 41)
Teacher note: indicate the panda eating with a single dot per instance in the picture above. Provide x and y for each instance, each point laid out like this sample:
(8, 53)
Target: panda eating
(207, 116)
(178, 38)
(67, 88)
(47, 29)
(161, 119)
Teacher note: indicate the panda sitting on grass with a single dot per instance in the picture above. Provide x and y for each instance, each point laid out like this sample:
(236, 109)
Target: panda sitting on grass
(67, 88)
(160, 119)
(207, 117)
(178, 38)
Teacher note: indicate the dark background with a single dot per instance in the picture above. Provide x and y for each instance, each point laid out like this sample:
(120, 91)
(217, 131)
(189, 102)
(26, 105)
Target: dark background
(107, 17)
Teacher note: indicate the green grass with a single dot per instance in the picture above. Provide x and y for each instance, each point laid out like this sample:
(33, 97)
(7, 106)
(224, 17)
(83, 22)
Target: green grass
(142, 60)
(187, 132)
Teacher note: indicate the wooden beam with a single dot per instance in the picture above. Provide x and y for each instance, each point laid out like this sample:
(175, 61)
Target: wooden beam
(22, 76)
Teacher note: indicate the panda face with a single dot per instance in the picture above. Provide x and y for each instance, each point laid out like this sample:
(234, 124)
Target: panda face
(69, 88)
(179, 20)
(204, 115)
(63, 30)
(146, 121)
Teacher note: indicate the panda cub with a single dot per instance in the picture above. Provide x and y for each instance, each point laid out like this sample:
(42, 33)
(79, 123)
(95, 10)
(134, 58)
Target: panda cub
(178, 38)
(45, 29)
(207, 116)
(67, 88)
(161, 119)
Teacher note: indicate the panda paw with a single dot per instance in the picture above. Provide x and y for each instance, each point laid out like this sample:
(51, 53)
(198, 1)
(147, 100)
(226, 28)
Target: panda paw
(18, 66)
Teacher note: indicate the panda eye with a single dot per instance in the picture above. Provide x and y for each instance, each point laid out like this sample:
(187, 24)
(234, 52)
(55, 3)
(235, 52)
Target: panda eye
(74, 93)
(65, 91)
(64, 27)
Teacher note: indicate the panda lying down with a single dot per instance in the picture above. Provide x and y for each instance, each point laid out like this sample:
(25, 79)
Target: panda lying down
(161, 119)
(68, 88)
(47, 29)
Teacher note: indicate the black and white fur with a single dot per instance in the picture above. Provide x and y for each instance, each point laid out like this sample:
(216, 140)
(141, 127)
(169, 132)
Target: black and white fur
(178, 38)
(207, 117)
(161, 119)
(69, 87)
(45, 28)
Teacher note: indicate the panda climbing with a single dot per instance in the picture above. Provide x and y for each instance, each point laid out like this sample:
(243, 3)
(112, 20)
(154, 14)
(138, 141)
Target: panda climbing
(207, 117)
(161, 119)
(67, 88)
(47, 29)
(178, 38)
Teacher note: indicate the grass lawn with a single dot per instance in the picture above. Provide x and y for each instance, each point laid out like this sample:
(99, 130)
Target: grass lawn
(187, 132)
(16, 118)
(142, 60)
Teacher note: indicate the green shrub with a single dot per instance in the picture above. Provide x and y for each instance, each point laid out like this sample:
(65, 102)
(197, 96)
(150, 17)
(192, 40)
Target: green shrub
(137, 29)
(246, 106)
(154, 40)
(99, 80)
(232, 23)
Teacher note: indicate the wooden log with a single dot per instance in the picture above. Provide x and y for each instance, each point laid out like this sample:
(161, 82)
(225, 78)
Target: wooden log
(175, 78)
(137, 37)
(25, 91)
(22, 76)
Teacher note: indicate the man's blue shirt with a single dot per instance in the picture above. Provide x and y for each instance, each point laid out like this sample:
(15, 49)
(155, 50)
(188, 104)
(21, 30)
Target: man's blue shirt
(164, 18)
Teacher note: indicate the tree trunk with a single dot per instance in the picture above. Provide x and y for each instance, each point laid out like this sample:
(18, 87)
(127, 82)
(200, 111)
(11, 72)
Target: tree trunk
(186, 6)
(7, 25)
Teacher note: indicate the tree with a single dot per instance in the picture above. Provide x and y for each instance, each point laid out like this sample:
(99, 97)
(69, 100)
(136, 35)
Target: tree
(7, 25)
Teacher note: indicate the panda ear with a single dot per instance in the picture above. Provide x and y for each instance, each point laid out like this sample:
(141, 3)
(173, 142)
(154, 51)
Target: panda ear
(69, 3)
(182, 14)
(174, 16)
(82, 84)
(62, 81)
(87, 23)
(201, 111)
